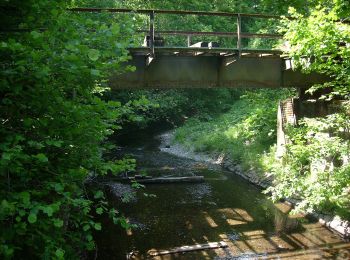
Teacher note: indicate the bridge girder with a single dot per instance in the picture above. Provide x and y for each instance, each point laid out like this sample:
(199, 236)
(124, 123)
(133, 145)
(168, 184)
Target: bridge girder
(203, 69)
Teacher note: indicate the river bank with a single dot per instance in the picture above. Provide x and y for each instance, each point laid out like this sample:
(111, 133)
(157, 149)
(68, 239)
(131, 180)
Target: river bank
(168, 145)
(223, 208)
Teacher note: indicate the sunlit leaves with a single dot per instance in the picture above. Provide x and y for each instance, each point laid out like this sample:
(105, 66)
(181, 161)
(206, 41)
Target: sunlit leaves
(58, 222)
(315, 166)
(95, 72)
(99, 194)
(25, 196)
(35, 34)
(41, 157)
(53, 127)
(32, 218)
(320, 42)
(59, 253)
(48, 210)
(97, 226)
(93, 54)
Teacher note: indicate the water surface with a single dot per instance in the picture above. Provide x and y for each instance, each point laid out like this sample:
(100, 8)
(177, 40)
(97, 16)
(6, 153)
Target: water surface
(224, 207)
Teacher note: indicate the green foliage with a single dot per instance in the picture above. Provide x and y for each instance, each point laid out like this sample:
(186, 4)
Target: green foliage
(172, 106)
(54, 125)
(152, 106)
(321, 42)
(55, 116)
(315, 167)
(245, 132)
(216, 24)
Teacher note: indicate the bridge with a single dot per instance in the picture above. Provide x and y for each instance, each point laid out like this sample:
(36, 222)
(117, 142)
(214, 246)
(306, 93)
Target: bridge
(205, 64)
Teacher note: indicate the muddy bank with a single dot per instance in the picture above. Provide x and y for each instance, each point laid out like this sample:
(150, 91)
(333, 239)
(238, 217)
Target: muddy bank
(334, 223)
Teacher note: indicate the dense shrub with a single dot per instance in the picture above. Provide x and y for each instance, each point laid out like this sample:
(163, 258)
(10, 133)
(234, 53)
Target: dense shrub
(53, 127)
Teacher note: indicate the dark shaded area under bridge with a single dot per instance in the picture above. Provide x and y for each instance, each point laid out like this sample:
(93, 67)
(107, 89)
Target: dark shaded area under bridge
(174, 67)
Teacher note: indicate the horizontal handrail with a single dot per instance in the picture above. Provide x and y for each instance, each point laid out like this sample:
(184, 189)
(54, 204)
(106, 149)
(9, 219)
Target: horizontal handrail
(221, 34)
(204, 49)
(182, 33)
(182, 12)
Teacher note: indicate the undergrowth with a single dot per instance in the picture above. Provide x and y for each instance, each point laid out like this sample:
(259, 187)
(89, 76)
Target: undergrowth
(246, 133)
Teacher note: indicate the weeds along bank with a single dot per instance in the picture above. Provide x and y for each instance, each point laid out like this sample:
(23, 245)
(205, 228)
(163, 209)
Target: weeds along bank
(315, 166)
(246, 133)
(314, 171)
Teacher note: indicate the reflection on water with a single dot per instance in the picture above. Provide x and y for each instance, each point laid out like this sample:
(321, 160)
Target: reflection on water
(223, 208)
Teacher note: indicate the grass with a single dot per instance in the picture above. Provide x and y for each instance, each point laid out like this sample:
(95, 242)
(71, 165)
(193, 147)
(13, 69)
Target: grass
(246, 133)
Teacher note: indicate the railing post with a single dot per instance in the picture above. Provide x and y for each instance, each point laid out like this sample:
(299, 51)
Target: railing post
(239, 31)
(188, 40)
(151, 32)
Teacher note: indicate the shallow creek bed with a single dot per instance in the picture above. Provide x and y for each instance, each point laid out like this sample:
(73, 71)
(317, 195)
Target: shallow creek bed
(224, 208)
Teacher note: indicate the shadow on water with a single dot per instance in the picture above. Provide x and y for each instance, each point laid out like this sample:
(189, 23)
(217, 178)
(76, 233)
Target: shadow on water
(223, 208)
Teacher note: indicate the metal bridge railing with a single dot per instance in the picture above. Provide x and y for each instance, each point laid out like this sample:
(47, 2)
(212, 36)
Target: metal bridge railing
(152, 32)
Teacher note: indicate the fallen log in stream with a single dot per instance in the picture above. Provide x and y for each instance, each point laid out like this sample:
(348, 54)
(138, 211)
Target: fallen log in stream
(189, 179)
(184, 249)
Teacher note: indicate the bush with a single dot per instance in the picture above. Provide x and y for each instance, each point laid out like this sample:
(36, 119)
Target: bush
(53, 128)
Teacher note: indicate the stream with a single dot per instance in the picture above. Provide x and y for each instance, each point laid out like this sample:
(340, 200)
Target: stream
(224, 207)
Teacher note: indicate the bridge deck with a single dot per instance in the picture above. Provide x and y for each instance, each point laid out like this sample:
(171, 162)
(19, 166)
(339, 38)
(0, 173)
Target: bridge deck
(170, 67)
(203, 51)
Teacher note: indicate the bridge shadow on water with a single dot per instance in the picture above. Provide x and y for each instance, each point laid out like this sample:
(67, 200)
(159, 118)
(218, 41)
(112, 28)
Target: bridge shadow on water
(223, 208)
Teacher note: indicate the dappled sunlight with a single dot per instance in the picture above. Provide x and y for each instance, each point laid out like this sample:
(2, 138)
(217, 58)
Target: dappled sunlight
(289, 240)
(233, 222)
(258, 243)
(254, 233)
(232, 129)
(280, 243)
(184, 219)
(285, 246)
(235, 214)
(243, 214)
(232, 132)
(291, 237)
(205, 255)
(129, 232)
(283, 207)
(314, 242)
(98, 162)
(300, 245)
(189, 225)
(210, 220)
